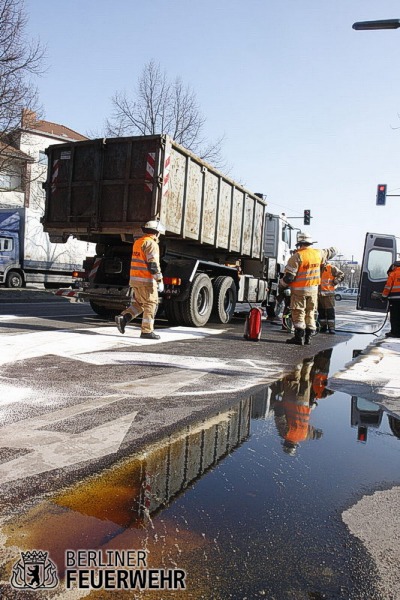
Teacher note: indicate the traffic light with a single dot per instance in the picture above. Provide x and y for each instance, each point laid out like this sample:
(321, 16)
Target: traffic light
(307, 217)
(381, 194)
(362, 434)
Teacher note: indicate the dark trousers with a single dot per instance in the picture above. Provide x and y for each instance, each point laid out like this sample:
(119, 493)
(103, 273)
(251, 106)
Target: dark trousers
(394, 310)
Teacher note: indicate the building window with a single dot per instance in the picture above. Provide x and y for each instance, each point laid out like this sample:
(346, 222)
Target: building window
(42, 158)
(11, 180)
(6, 244)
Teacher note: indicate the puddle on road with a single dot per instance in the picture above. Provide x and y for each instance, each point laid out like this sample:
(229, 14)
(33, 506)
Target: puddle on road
(248, 502)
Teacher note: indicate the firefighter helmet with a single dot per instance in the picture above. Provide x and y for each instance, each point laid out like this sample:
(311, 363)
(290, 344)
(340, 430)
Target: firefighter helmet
(289, 447)
(155, 226)
(304, 238)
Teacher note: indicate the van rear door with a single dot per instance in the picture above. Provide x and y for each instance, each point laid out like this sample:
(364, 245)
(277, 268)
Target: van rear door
(380, 252)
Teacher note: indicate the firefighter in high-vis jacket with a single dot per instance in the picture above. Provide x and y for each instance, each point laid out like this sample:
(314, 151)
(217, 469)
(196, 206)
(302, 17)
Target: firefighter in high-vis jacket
(331, 276)
(319, 375)
(297, 405)
(303, 276)
(146, 281)
(391, 292)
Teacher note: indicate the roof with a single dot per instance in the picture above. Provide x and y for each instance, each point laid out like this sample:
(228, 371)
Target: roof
(29, 122)
(11, 152)
(61, 131)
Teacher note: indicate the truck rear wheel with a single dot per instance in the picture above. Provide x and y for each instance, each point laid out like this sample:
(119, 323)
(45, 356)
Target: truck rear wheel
(14, 280)
(173, 312)
(225, 298)
(196, 310)
(103, 311)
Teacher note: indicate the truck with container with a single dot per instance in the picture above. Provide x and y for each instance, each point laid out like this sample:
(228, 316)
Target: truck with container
(221, 250)
(28, 256)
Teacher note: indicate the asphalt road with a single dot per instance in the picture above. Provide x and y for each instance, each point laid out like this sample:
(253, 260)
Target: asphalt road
(60, 361)
(77, 396)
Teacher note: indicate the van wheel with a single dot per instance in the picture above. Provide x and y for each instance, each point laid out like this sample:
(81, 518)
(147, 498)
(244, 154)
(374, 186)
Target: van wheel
(14, 280)
(196, 310)
(103, 311)
(225, 298)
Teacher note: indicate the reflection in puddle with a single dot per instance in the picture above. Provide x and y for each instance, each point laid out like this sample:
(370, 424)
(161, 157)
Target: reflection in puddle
(247, 502)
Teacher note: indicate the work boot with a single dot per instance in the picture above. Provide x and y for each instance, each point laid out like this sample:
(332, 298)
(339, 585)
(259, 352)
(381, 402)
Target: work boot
(122, 321)
(331, 327)
(308, 335)
(150, 336)
(323, 329)
(298, 338)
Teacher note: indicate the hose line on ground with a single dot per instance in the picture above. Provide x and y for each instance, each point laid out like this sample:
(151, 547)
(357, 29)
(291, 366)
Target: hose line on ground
(369, 332)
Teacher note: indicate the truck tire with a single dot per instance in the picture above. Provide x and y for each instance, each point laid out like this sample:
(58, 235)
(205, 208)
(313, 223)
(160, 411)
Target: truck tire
(103, 311)
(173, 312)
(196, 310)
(225, 298)
(14, 280)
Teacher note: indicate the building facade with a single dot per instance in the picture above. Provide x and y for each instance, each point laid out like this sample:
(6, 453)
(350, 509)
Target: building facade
(23, 167)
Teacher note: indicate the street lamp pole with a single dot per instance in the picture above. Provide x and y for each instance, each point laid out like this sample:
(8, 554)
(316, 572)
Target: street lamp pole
(372, 25)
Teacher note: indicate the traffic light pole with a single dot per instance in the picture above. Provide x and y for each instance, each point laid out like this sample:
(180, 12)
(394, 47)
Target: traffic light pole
(291, 218)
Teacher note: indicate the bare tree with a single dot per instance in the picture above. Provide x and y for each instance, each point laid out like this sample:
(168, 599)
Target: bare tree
(20, 60)
(163, 106)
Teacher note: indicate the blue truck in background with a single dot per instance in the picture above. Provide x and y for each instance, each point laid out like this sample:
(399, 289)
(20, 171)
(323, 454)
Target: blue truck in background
(28, 256)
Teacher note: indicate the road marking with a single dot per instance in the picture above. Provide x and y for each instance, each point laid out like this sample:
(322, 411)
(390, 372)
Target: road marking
(240, 373)
(159, 386)
(36, 317)
(51, 449)
(55, 449)
(198, 363)
(70, 344)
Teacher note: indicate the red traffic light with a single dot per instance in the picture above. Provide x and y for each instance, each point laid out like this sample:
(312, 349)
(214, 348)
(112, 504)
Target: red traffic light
(381, 194)
(362, 434)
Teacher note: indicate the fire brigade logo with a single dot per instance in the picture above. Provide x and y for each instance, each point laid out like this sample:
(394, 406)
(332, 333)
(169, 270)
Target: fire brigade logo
(34, 571)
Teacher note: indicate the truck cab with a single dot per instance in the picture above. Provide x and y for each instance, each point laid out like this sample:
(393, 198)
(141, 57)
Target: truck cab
(9, 250)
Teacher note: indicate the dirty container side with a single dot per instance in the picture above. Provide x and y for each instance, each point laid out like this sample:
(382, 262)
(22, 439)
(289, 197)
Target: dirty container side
(173, 188)
(108, 186)
(258, 230)
(129, 182)
(65, 202)
(209, 214)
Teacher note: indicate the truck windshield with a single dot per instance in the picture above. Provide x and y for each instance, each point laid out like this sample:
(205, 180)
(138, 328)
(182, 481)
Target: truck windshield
(287, 235)
(6, 244)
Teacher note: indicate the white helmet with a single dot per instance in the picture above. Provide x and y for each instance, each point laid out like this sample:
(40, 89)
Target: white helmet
(304, 238)
(155, 226)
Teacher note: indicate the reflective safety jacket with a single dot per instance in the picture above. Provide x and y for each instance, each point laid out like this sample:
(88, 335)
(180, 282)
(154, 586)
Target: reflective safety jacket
(303, 270)
(329, 273)
(298, 419)
(145, 261)
(320, 381)
(392, 287)
(309, 272)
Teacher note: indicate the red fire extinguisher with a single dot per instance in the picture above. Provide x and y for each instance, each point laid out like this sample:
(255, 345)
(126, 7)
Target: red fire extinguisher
(253, 324)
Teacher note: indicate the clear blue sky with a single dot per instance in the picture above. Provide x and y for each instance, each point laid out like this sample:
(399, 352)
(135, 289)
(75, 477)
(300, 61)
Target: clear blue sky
(309, 107)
